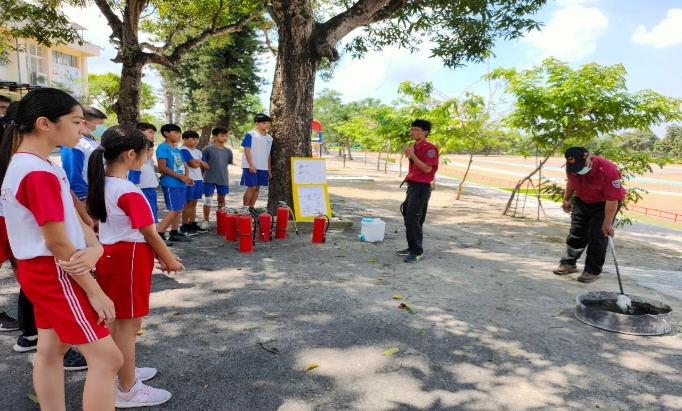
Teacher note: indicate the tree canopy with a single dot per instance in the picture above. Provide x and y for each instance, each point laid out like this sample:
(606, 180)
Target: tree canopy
(558, 106)
(220, 80)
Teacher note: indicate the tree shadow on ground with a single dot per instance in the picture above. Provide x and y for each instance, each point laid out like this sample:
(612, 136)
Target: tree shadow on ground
(488, 327)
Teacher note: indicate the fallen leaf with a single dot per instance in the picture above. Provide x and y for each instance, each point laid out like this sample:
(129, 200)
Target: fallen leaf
(405, 307)
(420, 333)
(33, 398)
(140, 331)
(558, 313)
(344, 279)
(270, 314)
(391, 351)
(340, 248)
(372, 260)
(512, 351)
(397, 297)
(381, 278)
(176, 313)
(311, 367)
(204, 387)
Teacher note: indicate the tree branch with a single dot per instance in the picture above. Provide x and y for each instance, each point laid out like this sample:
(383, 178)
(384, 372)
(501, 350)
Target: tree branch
(362, 13)
(112, 19)
(166, 46)
(193, 42)
(272, 49)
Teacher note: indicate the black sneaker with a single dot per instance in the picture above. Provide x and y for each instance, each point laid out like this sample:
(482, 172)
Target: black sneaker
(404, 252)
(187, 230)
(168, 243)
(413, 258)
(25, 344)
(196, 227)
(179, 238)
(8, 323)
(74, 360)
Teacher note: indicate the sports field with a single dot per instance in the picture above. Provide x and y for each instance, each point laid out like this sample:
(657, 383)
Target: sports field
(664, 186)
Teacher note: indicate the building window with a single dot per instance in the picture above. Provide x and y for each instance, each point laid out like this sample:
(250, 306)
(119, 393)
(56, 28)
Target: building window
(35, 63)
(64, 59)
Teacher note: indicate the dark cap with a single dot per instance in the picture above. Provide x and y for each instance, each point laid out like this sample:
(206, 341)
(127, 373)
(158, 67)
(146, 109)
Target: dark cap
(575, 159)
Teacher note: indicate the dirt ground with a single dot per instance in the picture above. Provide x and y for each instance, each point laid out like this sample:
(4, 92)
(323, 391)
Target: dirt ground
(489, 326)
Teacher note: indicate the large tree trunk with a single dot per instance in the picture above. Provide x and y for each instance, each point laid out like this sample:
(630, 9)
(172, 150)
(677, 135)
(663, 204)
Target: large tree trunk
(205, 137)
(133, 59)
(129, 97)
(291, 103)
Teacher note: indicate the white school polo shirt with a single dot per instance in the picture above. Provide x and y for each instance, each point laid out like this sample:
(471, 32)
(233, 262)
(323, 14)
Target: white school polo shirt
(36, 191)
(260, 145)
(127, 211)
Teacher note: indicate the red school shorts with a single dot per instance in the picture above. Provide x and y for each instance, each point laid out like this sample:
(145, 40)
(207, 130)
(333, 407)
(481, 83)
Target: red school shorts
(5, 249)
(125, 274)
(59, 302)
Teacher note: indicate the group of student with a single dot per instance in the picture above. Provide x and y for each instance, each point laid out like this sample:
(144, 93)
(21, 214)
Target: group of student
(100, 212)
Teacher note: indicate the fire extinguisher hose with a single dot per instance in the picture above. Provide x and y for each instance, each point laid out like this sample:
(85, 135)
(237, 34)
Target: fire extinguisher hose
(293, 217)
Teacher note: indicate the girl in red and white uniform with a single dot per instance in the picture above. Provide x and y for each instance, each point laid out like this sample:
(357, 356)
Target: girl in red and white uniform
(127, 231)
(56, 251)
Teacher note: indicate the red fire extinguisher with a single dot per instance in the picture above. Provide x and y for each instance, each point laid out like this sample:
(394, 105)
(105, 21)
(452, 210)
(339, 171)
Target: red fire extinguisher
(319, 228)
(245, 233)
(282, 220)
(265, 226)
(220, 221)
(231, 227)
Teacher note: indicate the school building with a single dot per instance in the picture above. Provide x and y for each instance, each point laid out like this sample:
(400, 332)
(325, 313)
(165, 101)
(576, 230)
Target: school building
(64, 66)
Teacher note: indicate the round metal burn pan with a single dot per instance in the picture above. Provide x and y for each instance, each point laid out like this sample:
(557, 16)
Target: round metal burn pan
(599, 309)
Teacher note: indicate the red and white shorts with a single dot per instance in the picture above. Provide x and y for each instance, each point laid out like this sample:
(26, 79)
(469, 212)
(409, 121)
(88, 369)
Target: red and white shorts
(5, 249)
(125, 274)
(59, 302)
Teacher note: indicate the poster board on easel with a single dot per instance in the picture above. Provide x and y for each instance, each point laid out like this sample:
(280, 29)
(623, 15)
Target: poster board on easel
(309, 186)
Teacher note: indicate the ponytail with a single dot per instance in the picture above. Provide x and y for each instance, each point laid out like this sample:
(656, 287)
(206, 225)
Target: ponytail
(95, 203)
(10, 142)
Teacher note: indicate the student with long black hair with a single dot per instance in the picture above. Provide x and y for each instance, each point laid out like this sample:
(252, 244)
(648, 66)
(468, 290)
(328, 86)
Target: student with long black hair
(56, 251)
(128, 233)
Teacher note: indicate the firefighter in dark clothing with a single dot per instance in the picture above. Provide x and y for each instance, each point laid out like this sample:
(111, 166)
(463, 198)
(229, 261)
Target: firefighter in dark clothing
(598, 196)
(423, 158)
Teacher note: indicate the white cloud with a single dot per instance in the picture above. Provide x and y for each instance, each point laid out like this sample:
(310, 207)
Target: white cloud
(571, 34)
(667, 33)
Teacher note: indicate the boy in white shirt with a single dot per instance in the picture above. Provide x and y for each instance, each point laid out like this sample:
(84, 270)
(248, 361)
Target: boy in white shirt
(195, 163)
(256, 169)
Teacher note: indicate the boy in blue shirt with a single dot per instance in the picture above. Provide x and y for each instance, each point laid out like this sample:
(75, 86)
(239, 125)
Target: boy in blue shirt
(75, 160)
(174, 181)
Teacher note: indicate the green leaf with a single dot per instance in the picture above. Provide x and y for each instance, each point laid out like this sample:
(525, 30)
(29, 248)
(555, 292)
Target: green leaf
(33, 398)
(270, 314)
(558, 313)
(391, 351)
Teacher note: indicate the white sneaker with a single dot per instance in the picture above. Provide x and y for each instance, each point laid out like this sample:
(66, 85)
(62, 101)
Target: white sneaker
(205, 225)
(142, 374)
(141, 395)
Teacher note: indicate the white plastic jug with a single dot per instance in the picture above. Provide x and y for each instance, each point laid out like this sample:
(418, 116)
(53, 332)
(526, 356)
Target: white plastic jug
(372, 229)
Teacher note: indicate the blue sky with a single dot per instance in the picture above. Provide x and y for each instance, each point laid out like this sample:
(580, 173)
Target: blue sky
(645, 36)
